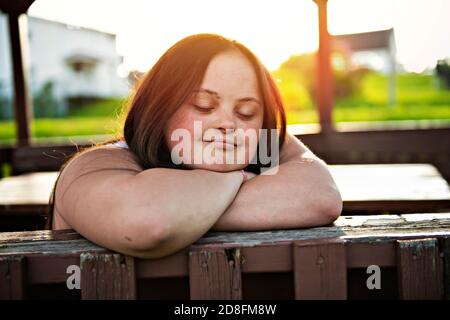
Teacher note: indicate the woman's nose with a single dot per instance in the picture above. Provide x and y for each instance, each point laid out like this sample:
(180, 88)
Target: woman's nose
(225, 121)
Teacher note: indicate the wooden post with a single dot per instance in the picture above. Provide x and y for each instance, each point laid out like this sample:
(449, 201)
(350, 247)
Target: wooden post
(18, 39)
(445, 245)
(12, 277)
(106, 276)
(392, 95)
(324, 81)
(420, 269)
(320, 270)
(215, 274)
(22, 101)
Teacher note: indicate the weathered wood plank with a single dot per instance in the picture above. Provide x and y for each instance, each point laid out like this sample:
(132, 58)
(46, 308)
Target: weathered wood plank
(47, 269)
(255, 258)
(56, 247)
(39, 235)
(107, 277)
(215, 274)
(362, 255)
(420, 270)
(445, 247)
(12, 278)
(372, 241)
(320, 270)
(175, 265)
(353, 228)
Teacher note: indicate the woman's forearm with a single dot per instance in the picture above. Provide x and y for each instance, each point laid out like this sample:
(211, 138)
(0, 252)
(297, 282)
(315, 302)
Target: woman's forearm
(186, 203)
(301, 194)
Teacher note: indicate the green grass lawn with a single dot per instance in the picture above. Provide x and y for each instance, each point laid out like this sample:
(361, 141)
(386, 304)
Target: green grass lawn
(417, 99)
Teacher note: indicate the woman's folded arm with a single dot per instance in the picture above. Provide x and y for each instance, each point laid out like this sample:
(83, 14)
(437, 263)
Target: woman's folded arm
(301, 194)
(150, 213)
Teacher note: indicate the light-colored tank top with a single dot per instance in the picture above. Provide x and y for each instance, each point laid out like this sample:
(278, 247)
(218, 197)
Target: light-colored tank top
(119, 144)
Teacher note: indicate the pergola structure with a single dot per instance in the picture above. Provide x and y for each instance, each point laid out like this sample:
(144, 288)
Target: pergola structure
(312, 263)
(22, 101)
(335, 143)
(17, 35)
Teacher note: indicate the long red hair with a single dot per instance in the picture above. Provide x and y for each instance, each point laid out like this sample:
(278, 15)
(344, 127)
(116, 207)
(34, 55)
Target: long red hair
(167, 85)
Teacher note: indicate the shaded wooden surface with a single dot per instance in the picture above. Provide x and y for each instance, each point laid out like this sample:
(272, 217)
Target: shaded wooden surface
(445, 244)
(24, 201)
(420, 270)
(320, 270)
(217, 265)
(12, 277)
(107, 276)
(398, 188)
(28, 192)
(383, 143)
(377, 233)
(215, 274)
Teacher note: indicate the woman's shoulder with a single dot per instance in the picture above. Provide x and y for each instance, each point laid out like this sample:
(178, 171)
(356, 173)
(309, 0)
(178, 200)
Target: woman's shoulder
(101, 158)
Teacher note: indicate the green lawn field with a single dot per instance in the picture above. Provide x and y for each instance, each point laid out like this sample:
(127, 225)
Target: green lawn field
(418, 98)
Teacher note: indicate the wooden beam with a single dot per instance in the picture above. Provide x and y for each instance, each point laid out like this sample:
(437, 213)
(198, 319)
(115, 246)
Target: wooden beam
(445, 245)
(22, 100)
(215, 274)
(12, 278)
(16, 6)
(324, 81)
(107, 276)
(420, 269)
(320, 270)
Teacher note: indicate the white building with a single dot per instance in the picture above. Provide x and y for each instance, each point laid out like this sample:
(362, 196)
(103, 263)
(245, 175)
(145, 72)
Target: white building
(80, 62)
(375, 50)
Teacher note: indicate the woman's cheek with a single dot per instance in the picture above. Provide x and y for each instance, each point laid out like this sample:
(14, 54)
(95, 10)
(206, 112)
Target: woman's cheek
(185, 123)
(186, 144)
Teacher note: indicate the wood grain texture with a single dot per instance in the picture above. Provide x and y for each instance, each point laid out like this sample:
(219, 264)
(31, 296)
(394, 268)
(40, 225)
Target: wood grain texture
(215, 274)
(107, 277)
(368, 240)
(320, 270)
(445, 245)
(420, 269)
(12, 278)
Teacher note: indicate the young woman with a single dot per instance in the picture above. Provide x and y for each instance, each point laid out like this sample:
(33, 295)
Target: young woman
(135, 195)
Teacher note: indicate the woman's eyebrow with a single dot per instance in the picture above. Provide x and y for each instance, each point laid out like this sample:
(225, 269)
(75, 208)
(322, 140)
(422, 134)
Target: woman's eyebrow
(250, 99)
(246, 99)
(213, 93)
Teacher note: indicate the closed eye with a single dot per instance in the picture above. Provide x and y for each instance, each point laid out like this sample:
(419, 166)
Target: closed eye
(246, 116)
(203, 109)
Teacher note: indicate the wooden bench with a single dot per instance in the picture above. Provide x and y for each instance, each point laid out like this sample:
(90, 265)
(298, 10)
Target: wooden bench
(412, 252)
(366, 189)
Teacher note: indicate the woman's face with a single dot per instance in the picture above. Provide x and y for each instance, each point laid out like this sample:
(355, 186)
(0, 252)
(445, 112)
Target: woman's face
(219, 124)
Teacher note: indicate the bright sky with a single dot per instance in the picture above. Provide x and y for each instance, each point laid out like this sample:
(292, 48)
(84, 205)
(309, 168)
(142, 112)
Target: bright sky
(273, 29)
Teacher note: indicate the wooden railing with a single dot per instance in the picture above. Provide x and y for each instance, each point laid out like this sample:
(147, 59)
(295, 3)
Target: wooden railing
(411, 251)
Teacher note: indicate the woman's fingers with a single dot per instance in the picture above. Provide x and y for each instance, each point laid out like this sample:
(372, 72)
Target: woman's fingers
(250, 175)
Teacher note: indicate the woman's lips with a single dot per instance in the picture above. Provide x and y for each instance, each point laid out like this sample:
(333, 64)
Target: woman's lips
(221, 144)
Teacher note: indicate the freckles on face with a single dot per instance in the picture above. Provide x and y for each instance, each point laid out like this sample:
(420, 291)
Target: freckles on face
(228, 99)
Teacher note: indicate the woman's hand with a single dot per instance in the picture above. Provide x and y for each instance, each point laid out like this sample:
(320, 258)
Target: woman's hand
(249, 176)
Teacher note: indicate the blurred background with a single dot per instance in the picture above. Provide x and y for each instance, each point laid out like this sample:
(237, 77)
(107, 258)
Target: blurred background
(390, 58)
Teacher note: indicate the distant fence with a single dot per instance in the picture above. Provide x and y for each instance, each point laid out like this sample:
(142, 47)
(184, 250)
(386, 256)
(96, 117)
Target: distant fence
(349, 147)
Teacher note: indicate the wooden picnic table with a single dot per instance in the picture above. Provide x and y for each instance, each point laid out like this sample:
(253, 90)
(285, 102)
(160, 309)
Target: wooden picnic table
(394, 188)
